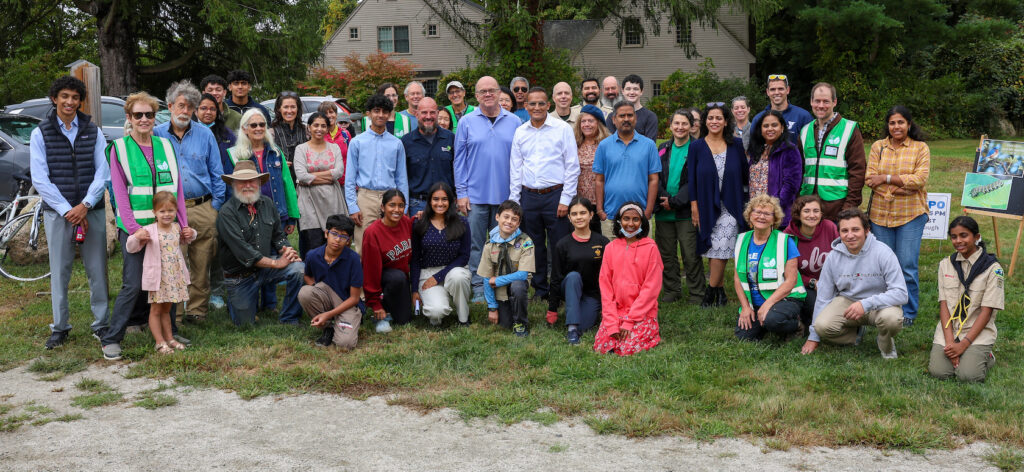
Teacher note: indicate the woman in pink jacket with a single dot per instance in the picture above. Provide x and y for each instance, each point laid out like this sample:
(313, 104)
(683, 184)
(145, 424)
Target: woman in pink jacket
(164, 272)
(630, 282)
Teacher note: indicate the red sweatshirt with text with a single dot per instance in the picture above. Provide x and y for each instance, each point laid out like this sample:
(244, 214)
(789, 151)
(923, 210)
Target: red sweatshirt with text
(384, 248)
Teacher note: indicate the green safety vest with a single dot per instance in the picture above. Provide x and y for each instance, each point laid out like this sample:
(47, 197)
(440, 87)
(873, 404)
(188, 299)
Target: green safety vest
(455, 119)
(402, 124)
(139, 179)
(769, 260)
(825, 173)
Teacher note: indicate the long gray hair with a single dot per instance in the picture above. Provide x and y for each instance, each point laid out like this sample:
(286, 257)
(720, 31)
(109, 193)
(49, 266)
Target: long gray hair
(243, 145)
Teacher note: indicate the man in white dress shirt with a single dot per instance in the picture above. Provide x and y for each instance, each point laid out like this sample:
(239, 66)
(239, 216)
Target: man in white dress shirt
(544, 172)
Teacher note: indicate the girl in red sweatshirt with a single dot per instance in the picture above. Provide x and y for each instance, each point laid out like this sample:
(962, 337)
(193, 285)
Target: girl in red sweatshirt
(630, 282)
(814, 235)
(387, 248)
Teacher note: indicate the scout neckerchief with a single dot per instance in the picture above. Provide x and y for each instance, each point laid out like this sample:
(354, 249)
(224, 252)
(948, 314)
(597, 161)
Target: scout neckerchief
(985, 260)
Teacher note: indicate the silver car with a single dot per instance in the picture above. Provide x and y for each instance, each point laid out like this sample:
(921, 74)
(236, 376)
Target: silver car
(15, 133)
(113, 113)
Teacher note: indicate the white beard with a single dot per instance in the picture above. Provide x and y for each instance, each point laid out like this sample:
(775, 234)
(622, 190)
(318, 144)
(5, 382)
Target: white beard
(248, 200)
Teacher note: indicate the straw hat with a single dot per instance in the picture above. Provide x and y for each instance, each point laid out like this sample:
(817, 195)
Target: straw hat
(246, 170)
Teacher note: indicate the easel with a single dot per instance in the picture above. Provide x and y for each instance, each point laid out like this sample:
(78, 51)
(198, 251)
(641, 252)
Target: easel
(995, 226)
(995, 232)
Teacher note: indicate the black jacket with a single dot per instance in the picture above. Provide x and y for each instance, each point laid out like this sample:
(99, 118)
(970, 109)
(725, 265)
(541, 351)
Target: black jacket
(680, 202)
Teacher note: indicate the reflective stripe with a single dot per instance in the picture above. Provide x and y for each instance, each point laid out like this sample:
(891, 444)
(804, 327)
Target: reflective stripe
(826, 162)
(826, 182)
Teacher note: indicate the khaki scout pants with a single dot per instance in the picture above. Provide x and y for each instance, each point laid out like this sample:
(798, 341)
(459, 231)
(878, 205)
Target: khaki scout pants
(833, 327)
(369, 202)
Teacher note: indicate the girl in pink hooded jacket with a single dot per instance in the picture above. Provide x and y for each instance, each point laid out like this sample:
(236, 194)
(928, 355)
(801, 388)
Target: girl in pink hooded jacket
(630, 282)
(164, 273)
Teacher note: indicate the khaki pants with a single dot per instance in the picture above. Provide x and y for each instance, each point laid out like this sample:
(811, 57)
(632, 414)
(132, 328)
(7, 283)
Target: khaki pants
(833, 327)
(369, 202)
(320, 298)
(974, 363)
(681, 236)
(199, 255)
(608, 228)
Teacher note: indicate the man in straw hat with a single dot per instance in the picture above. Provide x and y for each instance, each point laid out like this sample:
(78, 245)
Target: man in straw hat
(254, 248)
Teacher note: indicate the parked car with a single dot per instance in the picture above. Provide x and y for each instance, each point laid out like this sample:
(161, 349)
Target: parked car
(310, 105)
(113, 113)
(15, 133)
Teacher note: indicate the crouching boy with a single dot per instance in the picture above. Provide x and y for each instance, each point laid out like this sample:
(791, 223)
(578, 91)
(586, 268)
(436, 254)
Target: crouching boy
(506, 262)
(334, 282)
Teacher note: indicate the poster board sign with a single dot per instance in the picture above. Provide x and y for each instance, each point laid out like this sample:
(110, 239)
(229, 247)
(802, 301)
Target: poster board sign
(996, 183)
(938, 216)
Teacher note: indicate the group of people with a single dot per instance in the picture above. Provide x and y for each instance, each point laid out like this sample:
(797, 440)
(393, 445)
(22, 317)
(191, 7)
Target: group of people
(525, 190)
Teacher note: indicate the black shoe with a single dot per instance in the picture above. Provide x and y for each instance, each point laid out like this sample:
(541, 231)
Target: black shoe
(573, 336)
(720, 298)
(98, 334)
(57, 339)
(709, 297)
(520, 330)
(908, 322)
(860, 336)
(326, 338)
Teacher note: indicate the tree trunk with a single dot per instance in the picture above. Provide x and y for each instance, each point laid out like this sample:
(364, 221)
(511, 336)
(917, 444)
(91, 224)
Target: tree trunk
(118, 50)
(537, 38)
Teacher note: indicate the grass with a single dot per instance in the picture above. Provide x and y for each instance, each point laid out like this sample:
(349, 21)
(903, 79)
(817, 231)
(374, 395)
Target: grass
(153, 399)
(700, 382)
(38, 415)
(100, 394)
(1005, 459)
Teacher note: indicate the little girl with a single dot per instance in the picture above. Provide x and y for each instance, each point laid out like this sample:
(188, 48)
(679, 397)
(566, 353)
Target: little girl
(970, 294)
(164, 273)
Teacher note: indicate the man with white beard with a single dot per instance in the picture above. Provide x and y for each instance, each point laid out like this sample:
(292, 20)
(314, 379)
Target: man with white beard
(254, 249)
(200, 170)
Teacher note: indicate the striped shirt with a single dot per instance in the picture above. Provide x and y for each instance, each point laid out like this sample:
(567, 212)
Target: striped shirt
(910, 161)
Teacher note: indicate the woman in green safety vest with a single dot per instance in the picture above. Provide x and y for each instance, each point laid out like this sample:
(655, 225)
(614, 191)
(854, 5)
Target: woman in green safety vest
(767, 279)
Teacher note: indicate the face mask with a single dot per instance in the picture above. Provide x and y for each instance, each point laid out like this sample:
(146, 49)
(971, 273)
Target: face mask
(630, 235)
(208, 125)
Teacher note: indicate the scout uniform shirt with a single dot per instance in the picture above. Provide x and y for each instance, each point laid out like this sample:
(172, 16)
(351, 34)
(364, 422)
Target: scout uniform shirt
(520, 257)
(985, 290)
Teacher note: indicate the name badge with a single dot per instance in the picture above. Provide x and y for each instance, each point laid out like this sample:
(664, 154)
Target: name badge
(832, 151)
(164, 177)
(770, 274)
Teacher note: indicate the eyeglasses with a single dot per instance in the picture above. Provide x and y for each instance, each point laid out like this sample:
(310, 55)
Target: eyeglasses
(261, 124)
(485, 92)
(519, 89)
(715, 104)
(764, 213)
(336, 235)
(139, 114)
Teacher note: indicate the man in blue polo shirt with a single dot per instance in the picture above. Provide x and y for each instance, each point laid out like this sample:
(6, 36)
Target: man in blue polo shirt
(200, 168)
(627, 167)
(429, 154)
(778, 97)
(334, 282)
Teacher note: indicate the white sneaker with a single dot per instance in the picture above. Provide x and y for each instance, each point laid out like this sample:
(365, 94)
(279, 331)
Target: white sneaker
(892, 350)
(383, 326)
(434, 320)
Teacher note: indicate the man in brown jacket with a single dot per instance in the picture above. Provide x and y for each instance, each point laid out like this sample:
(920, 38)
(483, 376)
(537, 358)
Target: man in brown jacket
(834, 162)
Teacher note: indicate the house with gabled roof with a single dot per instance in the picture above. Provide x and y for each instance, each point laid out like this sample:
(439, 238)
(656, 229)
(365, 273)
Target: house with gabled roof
(427, 34)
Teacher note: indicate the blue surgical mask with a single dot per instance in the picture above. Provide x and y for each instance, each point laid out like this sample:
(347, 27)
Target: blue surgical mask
(628, 234)
(208, 125)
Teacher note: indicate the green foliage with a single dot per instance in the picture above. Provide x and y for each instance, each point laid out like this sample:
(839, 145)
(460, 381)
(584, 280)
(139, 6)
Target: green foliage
(337, 12)
(361, 78)
(1005, 459)
(94, 400)
(695, 89)
(552, 66)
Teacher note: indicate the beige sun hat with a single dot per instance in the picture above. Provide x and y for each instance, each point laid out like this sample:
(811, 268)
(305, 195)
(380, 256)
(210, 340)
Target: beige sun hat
(246, 170)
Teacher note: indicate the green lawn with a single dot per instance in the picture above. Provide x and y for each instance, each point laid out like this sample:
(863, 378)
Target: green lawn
(700, 382)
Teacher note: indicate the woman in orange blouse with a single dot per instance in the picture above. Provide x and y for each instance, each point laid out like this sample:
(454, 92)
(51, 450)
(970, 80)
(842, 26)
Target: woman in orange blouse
(897, 174)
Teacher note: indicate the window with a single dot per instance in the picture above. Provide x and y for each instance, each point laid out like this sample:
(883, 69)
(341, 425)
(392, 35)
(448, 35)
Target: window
(393, 39)
(353, 33)
(431, 87)
(684, 34)
(632, 36)
(656, 87)
(432, 31)
(113, 114)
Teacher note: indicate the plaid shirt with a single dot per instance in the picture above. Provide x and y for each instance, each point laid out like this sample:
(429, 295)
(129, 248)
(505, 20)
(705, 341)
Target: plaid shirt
(910, 161)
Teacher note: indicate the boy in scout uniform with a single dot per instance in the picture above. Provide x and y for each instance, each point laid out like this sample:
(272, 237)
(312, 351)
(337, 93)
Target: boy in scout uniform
(506, 262)
(967, 318)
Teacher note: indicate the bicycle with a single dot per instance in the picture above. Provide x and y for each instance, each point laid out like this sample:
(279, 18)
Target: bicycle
(21, 257)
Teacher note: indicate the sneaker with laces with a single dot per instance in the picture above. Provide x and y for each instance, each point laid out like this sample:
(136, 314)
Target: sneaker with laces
(891, 354)
(573, 336)
(860, 336)
(908, 322)
(112, 352)
(434, 320)
(519, 329)
(57, 339)
(217, 303)
(383, 326)
(326, 338)
(98, 334)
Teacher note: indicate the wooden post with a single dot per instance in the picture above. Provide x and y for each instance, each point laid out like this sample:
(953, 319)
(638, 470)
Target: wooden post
(995, 232)
(89, 73)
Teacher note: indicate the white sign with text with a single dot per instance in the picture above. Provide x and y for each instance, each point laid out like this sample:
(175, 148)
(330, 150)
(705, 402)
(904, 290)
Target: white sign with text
(938, 216)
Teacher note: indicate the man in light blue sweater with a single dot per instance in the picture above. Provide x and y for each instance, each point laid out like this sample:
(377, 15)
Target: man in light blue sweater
(861, 284)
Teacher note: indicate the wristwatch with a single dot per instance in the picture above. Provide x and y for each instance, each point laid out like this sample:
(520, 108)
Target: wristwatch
(87, 205)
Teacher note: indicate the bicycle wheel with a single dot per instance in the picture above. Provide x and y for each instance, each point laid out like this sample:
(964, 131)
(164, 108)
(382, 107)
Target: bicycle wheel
(20, 260)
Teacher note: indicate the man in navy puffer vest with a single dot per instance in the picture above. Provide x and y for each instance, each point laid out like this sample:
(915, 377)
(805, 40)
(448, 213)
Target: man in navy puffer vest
(70, 173)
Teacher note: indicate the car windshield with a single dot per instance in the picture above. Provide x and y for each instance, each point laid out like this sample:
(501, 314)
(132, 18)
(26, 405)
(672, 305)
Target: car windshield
(19, 127)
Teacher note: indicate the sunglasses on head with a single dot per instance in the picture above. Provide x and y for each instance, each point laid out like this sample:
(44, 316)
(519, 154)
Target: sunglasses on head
(715, 104)
(258, 125)
(139, 114)
(289, 94)
(519, 89)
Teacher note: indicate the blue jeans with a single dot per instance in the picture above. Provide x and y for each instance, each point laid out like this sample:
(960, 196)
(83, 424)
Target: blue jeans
(415, 206)
(243, 293)
(580, 310)
(481, 220)
(905, 241)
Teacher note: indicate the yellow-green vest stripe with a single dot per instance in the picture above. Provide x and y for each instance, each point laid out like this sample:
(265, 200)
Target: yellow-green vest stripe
(769, 260)
(455, 119)
(826, 170)
(138, 178)
(402, 124)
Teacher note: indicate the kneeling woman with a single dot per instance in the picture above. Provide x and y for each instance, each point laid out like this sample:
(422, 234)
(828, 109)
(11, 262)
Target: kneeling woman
(630, 282)
(970, 293)
(770, 300)
(440, 253)
(387, 248)
(575, 265)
